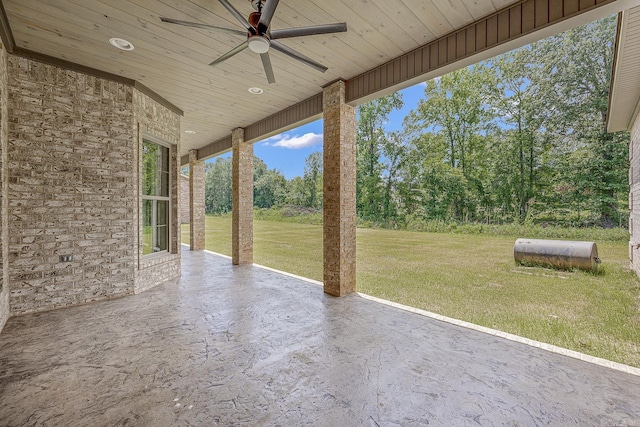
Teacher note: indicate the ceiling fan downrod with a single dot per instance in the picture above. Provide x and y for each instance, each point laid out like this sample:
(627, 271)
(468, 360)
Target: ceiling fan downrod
(257, 4)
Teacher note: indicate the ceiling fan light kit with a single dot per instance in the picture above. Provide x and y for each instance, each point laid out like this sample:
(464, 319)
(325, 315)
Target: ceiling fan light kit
(260, 38)
(259, 44)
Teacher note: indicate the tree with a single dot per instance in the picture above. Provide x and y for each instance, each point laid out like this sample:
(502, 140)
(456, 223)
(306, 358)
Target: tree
(457, 106)
(296, 192)
(370, 135)
(393, 151)
(313, 180)
(270, 189)
(217, 181)
(430, 187)
(520, 102)
(577, 65)
(261, 194)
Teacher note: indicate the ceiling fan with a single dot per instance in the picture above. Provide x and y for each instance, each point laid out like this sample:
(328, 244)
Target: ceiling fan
(260, 37)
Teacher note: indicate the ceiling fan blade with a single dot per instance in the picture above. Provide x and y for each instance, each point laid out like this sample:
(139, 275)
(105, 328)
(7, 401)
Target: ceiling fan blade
(309, 31)
(268, 70)
(297, 55)
(232, 10)
(232, 52)
(203, 26)
(267, 13)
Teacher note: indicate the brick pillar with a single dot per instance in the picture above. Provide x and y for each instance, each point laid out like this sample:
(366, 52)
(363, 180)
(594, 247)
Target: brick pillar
(339, 192)
(242, 199)
(196, 202)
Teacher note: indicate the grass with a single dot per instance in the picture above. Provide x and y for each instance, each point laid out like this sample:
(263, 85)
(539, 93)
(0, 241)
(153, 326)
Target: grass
(471, 277)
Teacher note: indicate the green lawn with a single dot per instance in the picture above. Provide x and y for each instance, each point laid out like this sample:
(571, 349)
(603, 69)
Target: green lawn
(472, 278)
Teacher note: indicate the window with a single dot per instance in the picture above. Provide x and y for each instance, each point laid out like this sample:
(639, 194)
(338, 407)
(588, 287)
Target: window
(155, 197)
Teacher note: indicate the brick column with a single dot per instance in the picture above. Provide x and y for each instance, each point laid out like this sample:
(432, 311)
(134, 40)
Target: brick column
(339, 192)
(196, 202)
(242, 199)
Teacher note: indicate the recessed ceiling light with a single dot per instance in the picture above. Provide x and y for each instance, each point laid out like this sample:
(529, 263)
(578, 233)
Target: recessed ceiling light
(121, 43)
(255, 90)
(190, 132)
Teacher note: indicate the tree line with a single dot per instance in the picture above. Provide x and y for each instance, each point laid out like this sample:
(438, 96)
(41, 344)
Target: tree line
(517, 138)
(270, 187)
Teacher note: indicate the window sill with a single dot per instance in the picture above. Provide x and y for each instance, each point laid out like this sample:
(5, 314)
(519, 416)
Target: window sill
(156, 258)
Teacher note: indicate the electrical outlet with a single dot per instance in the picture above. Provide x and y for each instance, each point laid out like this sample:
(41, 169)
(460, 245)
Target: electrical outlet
(66, 258)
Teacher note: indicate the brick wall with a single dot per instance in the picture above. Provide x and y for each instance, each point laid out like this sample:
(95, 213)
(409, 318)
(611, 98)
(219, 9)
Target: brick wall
(184, 199)
(71, 189)
(4, 229)
(157, 121)
(73, 166)
(634, 197)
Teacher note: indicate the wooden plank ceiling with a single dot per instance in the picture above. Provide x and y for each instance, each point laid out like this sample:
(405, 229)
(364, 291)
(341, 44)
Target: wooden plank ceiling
(173, 60)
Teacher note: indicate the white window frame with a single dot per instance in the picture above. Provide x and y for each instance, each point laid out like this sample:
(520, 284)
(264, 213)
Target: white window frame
(146, 138)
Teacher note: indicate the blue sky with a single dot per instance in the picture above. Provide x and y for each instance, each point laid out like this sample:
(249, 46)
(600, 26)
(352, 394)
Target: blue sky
(286, 151)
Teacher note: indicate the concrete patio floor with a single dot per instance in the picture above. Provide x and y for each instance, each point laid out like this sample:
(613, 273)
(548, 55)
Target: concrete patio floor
(227, 345)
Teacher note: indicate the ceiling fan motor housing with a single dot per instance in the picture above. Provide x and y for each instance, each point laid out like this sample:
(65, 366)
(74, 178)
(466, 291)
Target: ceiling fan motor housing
(254, 18)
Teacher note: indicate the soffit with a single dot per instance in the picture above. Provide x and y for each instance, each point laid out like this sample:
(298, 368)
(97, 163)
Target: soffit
(625, 89)
(173, 60)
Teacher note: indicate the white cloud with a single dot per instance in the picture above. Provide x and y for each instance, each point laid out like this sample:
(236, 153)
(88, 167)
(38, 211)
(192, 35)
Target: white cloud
(294, 142)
